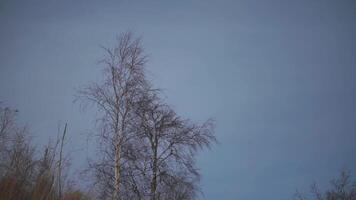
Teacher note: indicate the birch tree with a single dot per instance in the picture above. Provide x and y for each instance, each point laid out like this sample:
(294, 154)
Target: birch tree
(173, 143)
(124, 79)
(146, 150)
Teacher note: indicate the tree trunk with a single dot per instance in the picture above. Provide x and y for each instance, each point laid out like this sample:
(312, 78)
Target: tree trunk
(154, 171)
(117, 171)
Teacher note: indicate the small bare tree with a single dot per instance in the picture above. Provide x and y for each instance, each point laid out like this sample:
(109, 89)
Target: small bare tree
(7, 129)
(114, 97)
(26, 173)
(17, 156)
(343, 189)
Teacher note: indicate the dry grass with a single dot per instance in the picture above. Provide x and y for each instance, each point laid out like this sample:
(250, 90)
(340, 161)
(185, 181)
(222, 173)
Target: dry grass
(43, 189)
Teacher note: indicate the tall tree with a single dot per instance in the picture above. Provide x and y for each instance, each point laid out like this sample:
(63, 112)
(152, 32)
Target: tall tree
(124, 79)
(147, 151)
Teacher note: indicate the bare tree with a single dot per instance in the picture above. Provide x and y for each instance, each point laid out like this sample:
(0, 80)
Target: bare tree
(17, 156)
(26, 173)
(172, 143)
(22, 158)
(7, 130)
(146, 150)
(114, 97)
(342, 189)
(16, 151)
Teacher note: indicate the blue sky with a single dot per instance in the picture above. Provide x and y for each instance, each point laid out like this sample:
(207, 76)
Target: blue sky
(279, 77)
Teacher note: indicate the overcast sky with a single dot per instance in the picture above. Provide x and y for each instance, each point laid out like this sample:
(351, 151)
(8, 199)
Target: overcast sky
(279, 77)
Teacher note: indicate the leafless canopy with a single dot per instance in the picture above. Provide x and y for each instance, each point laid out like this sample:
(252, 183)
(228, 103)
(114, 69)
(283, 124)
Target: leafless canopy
(147, 150)
(342, 189)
